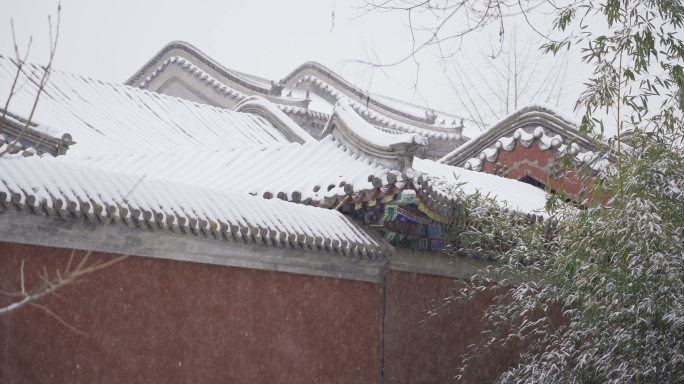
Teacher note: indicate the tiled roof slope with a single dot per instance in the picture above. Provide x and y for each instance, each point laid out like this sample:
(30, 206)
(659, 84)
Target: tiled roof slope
(110, 118)
(323, 173)
(56, 189)
(315, 172)
(291, 172)
(345, 166)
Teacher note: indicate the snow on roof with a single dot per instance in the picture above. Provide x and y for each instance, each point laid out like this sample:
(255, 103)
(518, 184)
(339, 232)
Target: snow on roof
(474, 133)
(105, 117)
(294, 170)
(261, 107)
(540, 122)
(58, 189)
(322, 173)
(359, 126)
(193, 56)
(191, 68)
(193, 53)
(392, 151)
(518, 196)
(435, 130)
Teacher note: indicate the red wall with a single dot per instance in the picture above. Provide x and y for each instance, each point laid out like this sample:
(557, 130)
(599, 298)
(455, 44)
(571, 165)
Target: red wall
(162, 321)
(519, 158)
(153, 320)
(431, 354)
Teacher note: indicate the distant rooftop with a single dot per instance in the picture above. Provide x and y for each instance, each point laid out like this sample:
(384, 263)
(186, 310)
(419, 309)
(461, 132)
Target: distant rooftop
(308, 95)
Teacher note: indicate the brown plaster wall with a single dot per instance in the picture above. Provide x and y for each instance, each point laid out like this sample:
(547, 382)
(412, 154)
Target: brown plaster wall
(431, 353)
(163, 321)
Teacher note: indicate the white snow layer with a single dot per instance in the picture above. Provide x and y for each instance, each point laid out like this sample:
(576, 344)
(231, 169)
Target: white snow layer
(110, 118)
(255, 170)
(361, 129)
(316, 170)
(278, 114)
(514, 194)
(50, 185)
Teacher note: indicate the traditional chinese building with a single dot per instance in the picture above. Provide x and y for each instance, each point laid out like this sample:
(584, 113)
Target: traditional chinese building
(307, 95)
(269, 241)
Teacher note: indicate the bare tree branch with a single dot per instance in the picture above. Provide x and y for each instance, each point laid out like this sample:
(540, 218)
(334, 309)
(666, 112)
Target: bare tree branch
(520, 74)
(41, 86)
(453, 19)
(49, 285)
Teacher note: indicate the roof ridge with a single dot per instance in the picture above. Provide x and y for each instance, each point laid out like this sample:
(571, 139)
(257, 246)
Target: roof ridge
(533, 114)
(243, 79)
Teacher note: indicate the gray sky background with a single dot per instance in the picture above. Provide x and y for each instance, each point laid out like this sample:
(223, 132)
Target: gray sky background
(110, 40)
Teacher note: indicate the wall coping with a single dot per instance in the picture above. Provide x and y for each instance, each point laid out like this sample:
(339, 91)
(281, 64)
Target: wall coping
(82, 234)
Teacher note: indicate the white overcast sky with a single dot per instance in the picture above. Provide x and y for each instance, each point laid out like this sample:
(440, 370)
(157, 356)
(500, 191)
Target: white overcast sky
(111, 40)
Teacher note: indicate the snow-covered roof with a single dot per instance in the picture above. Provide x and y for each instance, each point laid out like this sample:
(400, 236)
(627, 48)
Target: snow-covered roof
(356, 123)
(514, 194)
(317, 173)
(103, 117)
(191, 52)
(259, 106)
(552, 129)
(46, 187)
(151, 161)
(300, 173)
(384, 112)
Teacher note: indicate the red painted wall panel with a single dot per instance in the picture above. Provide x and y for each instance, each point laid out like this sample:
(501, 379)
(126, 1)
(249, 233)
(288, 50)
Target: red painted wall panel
(153, 320)
(530, 161)
(162, 321)
(431, 353)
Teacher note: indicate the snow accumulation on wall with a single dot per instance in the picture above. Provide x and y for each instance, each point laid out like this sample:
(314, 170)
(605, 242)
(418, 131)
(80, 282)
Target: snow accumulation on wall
(61, 190)
(110, 118)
